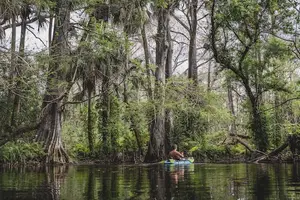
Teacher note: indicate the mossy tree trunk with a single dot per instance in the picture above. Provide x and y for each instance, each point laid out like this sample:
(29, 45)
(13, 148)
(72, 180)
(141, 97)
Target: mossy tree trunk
(105, 109)
(156, 148)
(250, 76)
(90, 120)
(49, 131)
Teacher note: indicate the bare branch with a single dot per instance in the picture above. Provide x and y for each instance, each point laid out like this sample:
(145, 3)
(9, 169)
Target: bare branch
(282, 103)
(17, 132)
(19, 24)
(201, 64)
(36, 37)
(198, 9)
(181, 22)
(199, 19)
(176, 32)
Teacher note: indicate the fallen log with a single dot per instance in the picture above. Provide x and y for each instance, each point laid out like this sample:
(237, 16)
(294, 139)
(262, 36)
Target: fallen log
(272, 153)
(240, 135)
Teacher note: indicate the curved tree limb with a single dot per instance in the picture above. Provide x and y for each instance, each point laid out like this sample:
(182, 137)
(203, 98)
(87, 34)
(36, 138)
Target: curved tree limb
(17, 132)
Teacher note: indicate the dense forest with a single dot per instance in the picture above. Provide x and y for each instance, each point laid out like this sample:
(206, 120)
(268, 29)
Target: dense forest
(123, 80)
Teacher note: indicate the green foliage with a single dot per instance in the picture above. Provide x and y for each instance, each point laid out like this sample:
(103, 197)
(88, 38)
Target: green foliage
(21, 152)
(275, 127)
(74, 132)
(81, 151)
(260, 62)
(27, 89)
(211, 153)
(197, 113)
(261, 66)
(118, 128)
(292, 128)
(276, 48)
(237, 150)
(125, 121)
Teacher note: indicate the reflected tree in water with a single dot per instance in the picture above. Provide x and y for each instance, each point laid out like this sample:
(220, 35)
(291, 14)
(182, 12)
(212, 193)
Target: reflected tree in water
(280, 172)
(54, 180)
(33, 183)
(106, 192)
(156, 176)
(295, 173)
(91, 184)
(261, 185)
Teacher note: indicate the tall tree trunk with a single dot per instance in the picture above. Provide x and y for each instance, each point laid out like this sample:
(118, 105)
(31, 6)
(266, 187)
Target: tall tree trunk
(232, 128)
(258, 121)
(147, 61)
(50, 30)
(105, 106)
(156, 147)
(49, 131)
(134, 125)
(278, 121)
(12, 71)
(209, 84)
(192, 60)
(148, 70)
(20, 59)
(258, 125)
(169, 126)
(90, 121)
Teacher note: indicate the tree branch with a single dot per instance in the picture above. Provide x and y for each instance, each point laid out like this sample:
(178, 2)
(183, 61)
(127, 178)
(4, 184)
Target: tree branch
(284, 102)
(19, 24)
(17, 132)
(181, 22)
(36, 36)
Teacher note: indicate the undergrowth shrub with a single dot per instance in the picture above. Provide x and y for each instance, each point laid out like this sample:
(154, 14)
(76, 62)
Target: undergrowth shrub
(21, 152)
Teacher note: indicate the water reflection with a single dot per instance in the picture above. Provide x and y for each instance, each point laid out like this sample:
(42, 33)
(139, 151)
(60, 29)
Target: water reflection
(295, 176)
(176, 172)
(31, 183)
(262, 185)
(206, 181)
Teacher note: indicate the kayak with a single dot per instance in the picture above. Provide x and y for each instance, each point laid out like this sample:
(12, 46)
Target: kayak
(185, 161)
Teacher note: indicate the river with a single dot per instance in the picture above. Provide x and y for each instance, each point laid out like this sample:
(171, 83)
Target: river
(195, 181)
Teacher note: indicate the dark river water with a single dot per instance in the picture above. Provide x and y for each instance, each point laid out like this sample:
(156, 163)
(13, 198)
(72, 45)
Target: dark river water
(196, 181)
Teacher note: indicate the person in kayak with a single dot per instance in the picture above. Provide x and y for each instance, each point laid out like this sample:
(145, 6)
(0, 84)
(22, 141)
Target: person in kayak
(174, 154)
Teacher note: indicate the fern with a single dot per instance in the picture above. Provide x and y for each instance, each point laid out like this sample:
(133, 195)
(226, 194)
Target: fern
(21, 152)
